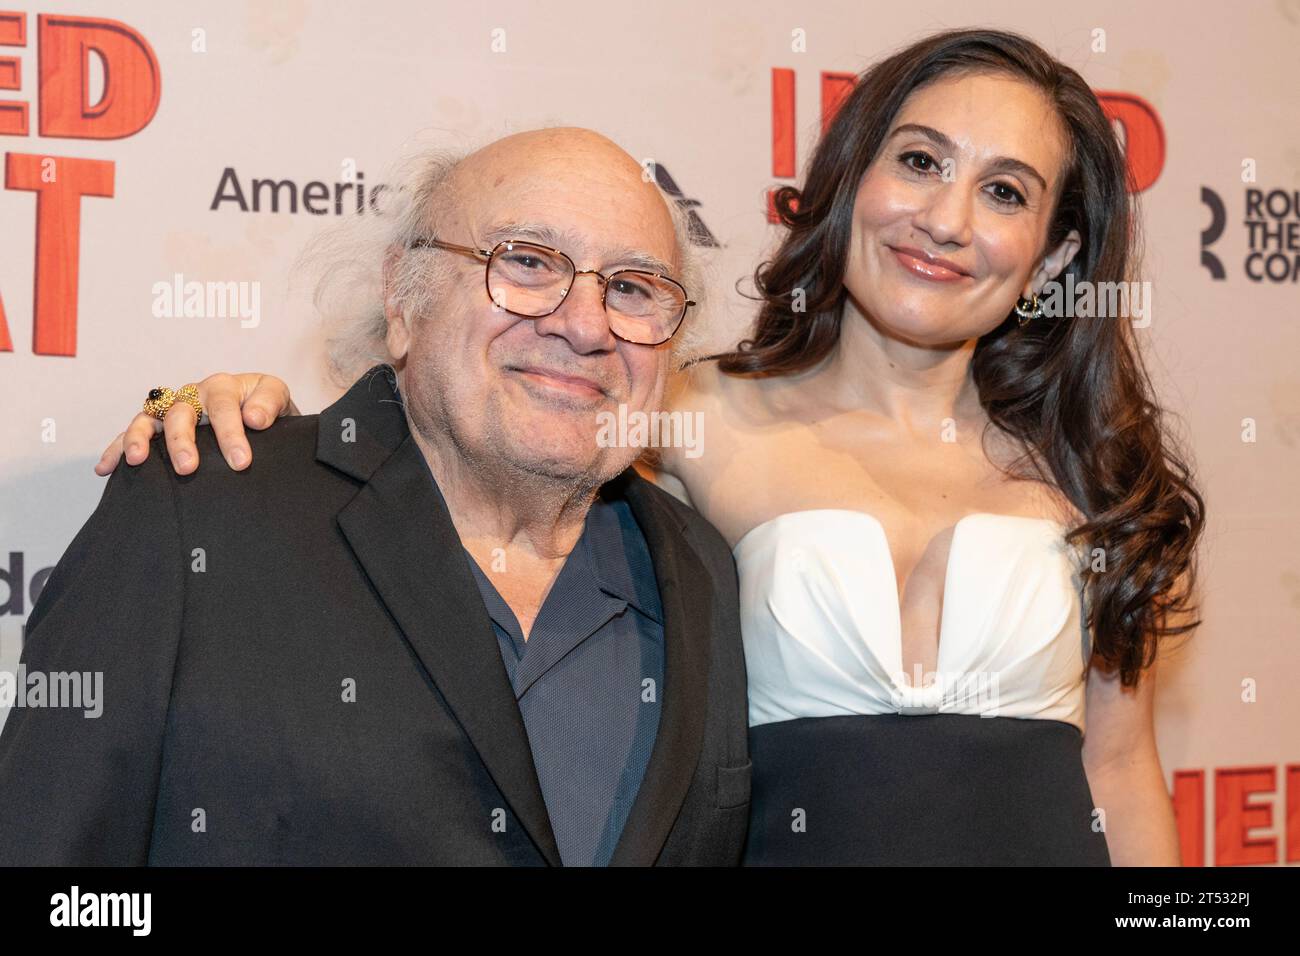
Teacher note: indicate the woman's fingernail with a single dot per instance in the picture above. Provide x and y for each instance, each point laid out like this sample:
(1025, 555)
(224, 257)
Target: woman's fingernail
(183, 459)
(257, 419)
(238, 458)
(133, 448)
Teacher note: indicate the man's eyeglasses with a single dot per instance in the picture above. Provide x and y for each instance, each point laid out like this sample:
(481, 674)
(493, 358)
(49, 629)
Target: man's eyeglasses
(531, 281)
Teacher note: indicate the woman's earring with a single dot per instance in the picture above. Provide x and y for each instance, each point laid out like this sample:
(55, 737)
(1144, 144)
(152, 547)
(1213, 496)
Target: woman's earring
(1026, 309)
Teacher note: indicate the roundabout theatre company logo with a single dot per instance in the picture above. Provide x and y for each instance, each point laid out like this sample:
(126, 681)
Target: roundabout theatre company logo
(1271, 221)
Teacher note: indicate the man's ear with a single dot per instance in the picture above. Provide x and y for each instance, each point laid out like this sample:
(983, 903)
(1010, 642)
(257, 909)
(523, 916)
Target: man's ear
(398, 337)
(1054, 263)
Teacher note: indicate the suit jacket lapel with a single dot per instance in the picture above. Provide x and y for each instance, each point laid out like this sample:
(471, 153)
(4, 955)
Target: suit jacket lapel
(400, 530)
(687, 605)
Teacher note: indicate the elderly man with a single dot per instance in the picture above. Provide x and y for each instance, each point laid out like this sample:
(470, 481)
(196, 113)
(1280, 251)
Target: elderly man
(439, 622)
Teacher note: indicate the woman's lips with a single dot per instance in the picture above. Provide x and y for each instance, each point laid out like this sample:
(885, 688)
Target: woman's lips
(914, 261)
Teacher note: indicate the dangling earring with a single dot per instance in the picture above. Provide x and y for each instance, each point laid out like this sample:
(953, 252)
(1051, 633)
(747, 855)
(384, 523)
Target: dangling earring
(1026, 310)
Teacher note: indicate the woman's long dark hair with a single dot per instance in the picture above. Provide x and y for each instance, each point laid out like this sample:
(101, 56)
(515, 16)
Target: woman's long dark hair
(1073, 393)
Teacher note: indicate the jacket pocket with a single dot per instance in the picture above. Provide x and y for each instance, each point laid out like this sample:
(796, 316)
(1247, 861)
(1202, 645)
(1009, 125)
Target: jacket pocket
(734, 785)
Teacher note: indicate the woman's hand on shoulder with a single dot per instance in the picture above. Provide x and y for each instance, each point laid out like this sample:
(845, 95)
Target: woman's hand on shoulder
(231, 402)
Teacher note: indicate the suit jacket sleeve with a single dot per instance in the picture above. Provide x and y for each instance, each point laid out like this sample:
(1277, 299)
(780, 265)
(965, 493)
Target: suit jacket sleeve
(79, 790)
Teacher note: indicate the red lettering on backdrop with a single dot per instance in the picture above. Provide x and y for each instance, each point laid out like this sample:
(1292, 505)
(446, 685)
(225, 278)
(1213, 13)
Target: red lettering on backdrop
(13, 113)
(132, 84)
(836, 88)
(1144, 136)
(783, 132)
(1189, 815)
(59, 183)
(1293, 813)
(784, 136)
(1234, 817)
(132, 89)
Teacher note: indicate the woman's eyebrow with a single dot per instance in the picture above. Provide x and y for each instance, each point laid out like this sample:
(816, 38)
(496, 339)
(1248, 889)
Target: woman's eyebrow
(945, 143)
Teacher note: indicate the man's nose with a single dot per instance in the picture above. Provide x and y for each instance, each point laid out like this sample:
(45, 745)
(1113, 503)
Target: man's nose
(581, 320)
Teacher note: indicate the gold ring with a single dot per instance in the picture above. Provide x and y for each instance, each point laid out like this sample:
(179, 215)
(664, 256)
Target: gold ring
(160, 399)
(189, 394)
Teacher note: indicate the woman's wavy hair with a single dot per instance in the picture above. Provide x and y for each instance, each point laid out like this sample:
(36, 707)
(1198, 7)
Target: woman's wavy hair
(1073, 393)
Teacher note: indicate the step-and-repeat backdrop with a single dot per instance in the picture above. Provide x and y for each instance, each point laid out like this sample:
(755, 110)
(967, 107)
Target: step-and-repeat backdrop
(152, 145)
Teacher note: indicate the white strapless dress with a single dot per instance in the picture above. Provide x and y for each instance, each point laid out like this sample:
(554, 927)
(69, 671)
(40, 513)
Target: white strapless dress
(822, 631)
(852, 763)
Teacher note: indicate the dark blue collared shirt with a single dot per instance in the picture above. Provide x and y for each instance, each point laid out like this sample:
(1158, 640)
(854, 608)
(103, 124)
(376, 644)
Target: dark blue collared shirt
(589, 680)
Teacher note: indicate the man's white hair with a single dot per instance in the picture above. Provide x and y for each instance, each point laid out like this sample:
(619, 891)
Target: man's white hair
(347, 262)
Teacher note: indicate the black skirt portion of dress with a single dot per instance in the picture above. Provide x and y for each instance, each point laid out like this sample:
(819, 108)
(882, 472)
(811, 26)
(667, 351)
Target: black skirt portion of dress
(921, 790)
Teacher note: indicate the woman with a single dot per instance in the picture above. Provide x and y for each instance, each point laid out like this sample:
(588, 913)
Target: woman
(958, 523)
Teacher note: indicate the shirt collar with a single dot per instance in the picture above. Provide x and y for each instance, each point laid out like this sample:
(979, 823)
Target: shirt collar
(618, 557)
(611, 551)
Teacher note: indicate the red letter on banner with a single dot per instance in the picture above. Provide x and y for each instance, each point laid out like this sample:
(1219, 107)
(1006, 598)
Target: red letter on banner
(1293, 813)
(13, 113)
(1189, 815)
(836, 88)
(783, 132)
(132, 81)
(1144, 137)
(59, 184)
(1234, 817)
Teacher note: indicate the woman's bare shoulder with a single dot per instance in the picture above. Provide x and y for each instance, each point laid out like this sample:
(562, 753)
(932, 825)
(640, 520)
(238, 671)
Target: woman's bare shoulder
(695, 385)
(704, 386)
(724, 409)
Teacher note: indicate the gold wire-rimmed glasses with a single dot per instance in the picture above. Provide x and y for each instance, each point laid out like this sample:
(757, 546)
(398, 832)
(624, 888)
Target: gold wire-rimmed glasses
(530, 280)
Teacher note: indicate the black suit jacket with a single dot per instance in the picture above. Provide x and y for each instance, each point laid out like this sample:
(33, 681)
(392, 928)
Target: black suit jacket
(231, 612)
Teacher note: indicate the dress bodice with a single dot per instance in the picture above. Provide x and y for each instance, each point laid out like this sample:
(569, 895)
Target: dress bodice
(823, 634)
